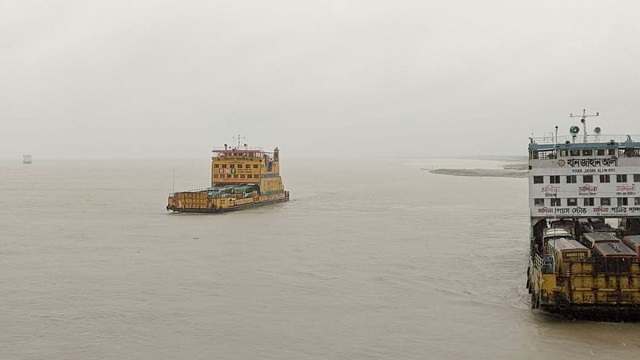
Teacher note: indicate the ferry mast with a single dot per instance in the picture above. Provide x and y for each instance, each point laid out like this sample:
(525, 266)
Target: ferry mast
(584, 117)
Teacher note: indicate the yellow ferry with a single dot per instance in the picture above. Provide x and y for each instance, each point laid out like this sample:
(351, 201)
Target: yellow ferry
(585, 221)
(241, 177)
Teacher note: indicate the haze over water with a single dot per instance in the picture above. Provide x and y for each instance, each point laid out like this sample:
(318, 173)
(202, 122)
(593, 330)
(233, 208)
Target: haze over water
(372, 258)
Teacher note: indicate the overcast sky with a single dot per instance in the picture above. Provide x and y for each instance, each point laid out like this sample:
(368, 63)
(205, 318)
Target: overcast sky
(163, 78)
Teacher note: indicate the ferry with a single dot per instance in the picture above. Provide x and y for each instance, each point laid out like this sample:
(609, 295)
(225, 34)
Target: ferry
(241, 178)
(585, 221)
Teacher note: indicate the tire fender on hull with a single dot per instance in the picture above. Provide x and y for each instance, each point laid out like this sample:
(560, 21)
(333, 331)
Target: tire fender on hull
(562, 302)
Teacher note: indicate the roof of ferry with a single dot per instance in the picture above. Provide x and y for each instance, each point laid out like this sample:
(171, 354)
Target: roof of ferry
(589, 145)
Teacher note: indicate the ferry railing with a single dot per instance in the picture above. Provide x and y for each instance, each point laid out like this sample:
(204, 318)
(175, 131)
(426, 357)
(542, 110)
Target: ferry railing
(579, 139)
(546, 264)
(240, 149)
(172, 194)
(197, 189)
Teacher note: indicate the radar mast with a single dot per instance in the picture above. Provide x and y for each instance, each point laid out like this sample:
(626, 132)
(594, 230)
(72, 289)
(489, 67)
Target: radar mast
(584, 122)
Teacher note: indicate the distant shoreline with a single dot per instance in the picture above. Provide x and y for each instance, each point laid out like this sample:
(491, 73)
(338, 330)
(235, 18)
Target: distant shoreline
(518, 170)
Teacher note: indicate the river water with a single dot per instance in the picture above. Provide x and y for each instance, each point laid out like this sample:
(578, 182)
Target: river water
(371, 259)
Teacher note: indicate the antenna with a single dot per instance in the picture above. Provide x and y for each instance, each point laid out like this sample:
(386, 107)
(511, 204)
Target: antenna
(584, 122)
(239, 139)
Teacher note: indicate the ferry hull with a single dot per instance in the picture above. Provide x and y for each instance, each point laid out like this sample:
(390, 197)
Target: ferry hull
(228, 209)
(596, 312)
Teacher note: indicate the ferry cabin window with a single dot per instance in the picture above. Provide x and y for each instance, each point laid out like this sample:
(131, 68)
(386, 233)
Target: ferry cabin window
(600, 152)
(563, 153)
(555, 202)
(232, 166)
(623, 202)
(621, 178)
(255, 166)
(574, 152)
(224, 166)
(239, 166)
(636, 201)
(636, 177)
(538, 179)
(587, 179)
(604, 179)
(540, 202)
(632, 152)
(241, 176)
(554, 179)
(215, 165)
(611, 151)
(605, 201)
(572, 202)
(572, 179)
(547, 154)
(588, 202)
(587, 152)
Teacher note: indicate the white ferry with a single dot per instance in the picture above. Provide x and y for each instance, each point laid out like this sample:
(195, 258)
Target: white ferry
(587, 185)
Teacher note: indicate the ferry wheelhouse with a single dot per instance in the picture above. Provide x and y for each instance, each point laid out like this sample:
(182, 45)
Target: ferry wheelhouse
(241, 177)
(587, 185)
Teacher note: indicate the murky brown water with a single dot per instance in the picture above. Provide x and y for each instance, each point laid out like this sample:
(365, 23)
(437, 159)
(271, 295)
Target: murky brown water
(371, 259)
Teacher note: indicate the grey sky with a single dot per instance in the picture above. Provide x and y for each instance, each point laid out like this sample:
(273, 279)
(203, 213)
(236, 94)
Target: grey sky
(159, 78)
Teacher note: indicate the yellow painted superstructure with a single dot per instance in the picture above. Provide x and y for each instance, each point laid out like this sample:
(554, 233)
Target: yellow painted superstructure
(240, 178)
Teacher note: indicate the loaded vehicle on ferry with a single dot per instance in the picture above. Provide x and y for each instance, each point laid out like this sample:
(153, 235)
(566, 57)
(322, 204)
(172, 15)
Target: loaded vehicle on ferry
(585, 222)
(633, 242)
(241, 177)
